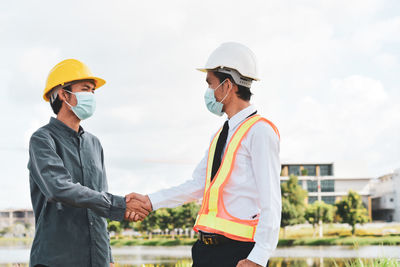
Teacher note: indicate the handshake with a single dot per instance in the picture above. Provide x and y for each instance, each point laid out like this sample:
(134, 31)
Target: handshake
(137, 207)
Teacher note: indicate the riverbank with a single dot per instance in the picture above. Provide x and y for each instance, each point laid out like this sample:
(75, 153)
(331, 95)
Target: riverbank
(296, 256)
(327, 241)
(393, 240)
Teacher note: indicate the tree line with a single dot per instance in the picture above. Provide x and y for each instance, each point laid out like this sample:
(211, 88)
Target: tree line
(349, 209)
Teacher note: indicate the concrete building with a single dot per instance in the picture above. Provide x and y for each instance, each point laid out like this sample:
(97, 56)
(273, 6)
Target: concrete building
(385, 191)
(319, 181)
(381, 196)
(11, 217)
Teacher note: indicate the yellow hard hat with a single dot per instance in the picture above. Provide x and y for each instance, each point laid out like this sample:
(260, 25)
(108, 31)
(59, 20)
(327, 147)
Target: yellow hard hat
(67, 71)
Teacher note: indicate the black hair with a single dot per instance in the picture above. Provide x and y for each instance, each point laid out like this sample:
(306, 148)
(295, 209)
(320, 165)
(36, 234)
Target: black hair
(57, 103)
(242, 92)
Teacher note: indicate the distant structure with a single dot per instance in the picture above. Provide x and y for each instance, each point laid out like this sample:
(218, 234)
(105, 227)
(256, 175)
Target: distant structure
(385, 191)
(11, 217)
(381, 196)
(319, 181)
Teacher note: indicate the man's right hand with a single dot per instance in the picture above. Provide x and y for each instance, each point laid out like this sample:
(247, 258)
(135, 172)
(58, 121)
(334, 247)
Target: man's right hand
(137, 207)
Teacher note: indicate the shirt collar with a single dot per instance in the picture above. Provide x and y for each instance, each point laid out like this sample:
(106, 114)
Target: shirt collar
(241, 116)
(64, 129)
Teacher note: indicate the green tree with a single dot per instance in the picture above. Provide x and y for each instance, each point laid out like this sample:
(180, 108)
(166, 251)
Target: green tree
(319, 212)
(125, 224)
(293, 196)
(352, 211)
(149, 224)
(114, 226)
(185, 215)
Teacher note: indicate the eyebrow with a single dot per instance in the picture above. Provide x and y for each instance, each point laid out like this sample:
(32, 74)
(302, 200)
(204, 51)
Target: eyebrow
(87, 86)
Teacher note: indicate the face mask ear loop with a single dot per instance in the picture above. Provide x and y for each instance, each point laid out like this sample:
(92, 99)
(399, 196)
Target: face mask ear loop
(225, 95)
(219, 85)
(66, 100)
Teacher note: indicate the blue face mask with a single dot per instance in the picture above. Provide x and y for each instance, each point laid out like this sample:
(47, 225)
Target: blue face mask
(86, 104)
(212, 104)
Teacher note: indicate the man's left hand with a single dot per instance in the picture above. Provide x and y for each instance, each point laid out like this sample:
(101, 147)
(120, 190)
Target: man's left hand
(247, 263)
(111, 264)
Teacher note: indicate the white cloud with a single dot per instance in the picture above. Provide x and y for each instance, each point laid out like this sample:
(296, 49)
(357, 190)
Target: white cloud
(328, 80)
(346, 126)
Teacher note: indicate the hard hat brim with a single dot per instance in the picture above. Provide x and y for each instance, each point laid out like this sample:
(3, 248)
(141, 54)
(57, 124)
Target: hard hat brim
(99, 83)
(205, 70)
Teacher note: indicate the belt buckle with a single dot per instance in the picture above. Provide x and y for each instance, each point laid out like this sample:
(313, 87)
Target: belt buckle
(208, 240)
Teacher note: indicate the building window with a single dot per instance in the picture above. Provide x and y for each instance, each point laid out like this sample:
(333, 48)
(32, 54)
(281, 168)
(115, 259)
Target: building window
(312, 186)
(312, 199)
(325, 170)
(329, 199)
(18, 214)
(294, 169)
(310, 170)
(327, 186)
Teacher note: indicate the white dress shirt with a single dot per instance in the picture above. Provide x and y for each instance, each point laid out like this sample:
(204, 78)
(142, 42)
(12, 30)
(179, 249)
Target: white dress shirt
(253, 188)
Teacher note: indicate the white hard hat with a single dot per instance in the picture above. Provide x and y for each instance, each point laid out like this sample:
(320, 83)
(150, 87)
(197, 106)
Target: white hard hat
(234, 57)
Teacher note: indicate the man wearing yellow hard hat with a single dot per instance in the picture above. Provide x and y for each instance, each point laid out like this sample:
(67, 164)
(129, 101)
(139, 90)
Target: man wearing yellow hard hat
(67, 177)
(239, 176)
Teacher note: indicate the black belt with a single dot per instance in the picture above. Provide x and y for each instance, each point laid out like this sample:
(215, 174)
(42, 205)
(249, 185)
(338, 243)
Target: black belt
(214, 239)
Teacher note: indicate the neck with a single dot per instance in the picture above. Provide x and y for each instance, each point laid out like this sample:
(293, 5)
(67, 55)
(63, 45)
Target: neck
(234, 108)
(69, 118)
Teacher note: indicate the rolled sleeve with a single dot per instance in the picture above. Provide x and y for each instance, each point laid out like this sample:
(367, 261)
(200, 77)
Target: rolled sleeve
(266, 167)
(118, 207)
(55, 182)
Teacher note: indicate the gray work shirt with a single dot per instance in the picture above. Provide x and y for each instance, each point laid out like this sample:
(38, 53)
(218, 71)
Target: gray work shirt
(69, 197)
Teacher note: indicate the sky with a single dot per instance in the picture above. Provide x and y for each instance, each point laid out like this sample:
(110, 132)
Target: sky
(329, 75)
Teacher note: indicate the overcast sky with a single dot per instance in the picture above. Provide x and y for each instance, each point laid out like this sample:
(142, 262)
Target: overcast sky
(329, 80)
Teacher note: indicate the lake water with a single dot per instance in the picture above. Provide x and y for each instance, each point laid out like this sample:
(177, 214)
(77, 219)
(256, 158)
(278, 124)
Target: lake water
(168, 256)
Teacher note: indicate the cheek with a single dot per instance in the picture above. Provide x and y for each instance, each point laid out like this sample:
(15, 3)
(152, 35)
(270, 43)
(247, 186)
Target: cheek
(219, 94)
(72, 100)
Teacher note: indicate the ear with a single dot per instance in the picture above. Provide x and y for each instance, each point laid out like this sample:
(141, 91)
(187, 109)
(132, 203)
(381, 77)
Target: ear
(229, 84)
(62, 95)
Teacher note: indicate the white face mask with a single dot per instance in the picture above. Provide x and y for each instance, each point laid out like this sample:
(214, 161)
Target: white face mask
(86, 104)
(212, 104)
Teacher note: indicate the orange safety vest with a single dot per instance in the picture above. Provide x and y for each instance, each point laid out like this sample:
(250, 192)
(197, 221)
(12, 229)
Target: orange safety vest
(213, 216)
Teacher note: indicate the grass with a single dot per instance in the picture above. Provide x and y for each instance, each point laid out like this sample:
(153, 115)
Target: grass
(15, 241)
(181, 263)
(305, 241)
(335, 230)
(152, 242)
(390, 240)
(334, 235)
(382, 262)
(341, 241)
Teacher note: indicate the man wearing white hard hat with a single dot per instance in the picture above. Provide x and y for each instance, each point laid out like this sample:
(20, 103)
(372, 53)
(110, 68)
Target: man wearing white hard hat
(238, 178)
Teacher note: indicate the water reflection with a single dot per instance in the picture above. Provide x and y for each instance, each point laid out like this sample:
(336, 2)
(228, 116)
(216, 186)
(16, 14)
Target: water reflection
(169, 256)
(170, 262)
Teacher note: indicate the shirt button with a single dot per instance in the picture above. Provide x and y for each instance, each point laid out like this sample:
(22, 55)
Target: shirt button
(91, 223)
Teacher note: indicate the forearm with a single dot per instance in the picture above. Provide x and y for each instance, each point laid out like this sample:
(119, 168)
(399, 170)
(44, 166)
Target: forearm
(175, 196)
(102, 203)
(266, 237)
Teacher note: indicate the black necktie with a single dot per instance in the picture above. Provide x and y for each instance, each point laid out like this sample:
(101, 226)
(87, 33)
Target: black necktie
(220, 147)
